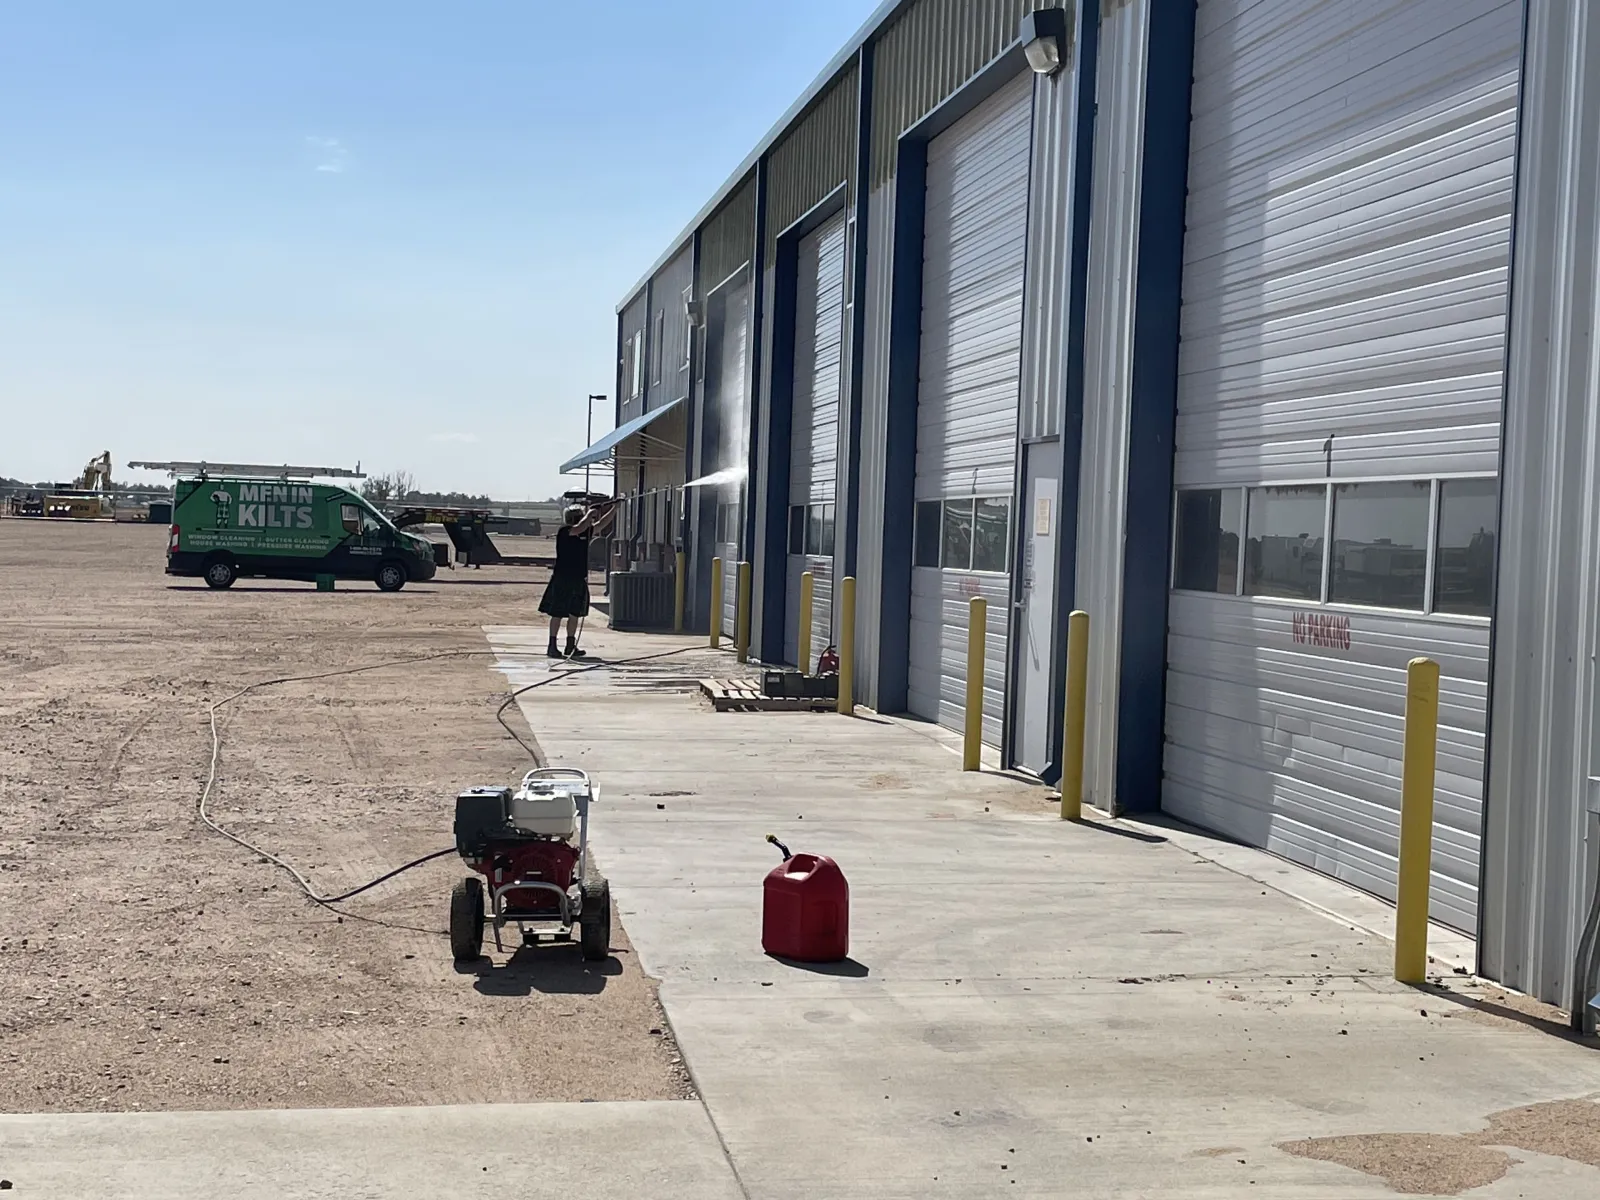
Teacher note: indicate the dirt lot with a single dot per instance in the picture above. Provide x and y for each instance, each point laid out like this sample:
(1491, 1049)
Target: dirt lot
(147, 963)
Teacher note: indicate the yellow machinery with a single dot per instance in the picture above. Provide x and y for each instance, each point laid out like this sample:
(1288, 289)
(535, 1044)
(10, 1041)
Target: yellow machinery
(88, 498)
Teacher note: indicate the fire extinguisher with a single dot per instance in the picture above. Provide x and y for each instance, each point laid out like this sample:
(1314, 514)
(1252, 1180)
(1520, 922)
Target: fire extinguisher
(828, 662)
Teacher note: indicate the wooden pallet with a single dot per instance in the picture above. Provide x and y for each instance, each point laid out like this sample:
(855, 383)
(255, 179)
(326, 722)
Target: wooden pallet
(745, 695)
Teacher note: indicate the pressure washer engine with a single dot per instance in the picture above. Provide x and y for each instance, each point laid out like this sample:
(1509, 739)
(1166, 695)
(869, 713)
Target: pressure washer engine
(531, 848)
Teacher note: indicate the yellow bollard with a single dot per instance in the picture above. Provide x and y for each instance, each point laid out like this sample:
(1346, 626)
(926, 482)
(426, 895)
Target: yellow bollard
(847, 645)
(807, 584)
(678, 593)
(1416, 821)
(716, 603)
(977, 635)
(1072, 735)
(741, 614)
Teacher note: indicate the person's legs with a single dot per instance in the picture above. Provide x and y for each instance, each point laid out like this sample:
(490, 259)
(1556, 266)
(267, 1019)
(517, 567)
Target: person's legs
(555, 630)
(572, 639)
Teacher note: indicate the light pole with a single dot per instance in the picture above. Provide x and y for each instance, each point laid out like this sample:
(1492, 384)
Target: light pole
(592, 399)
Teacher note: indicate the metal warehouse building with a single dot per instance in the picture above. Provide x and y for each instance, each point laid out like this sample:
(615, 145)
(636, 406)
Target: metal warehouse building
(1261, 330)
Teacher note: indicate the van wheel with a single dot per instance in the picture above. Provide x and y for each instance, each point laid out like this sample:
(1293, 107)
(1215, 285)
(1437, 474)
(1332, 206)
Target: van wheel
(220, 573)
(391, 577)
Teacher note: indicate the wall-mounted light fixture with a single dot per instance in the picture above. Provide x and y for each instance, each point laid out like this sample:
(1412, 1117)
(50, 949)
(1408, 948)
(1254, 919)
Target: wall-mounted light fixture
(1045, 40)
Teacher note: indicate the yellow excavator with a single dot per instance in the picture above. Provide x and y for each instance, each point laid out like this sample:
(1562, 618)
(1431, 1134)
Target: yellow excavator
(87, 498)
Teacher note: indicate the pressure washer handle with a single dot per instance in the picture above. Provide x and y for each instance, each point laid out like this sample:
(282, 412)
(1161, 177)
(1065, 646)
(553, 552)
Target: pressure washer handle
(784, 850)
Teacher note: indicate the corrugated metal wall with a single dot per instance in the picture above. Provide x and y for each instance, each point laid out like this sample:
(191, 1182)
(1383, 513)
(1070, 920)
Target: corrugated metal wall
(874, 440)
(633, 322)
(727, 239)
(931, 50)
(813, 159)
(1044, 320)
(1108, 372)
(666, 300)
(1540, 846)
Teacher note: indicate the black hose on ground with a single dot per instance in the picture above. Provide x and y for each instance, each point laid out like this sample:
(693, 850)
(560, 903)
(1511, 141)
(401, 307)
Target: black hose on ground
(304, 883)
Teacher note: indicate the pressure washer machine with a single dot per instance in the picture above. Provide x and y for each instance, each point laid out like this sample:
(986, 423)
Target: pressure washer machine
(529, 848)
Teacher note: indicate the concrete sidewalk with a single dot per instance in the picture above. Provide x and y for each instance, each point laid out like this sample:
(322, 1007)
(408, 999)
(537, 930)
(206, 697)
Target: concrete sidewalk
(1033, 1007)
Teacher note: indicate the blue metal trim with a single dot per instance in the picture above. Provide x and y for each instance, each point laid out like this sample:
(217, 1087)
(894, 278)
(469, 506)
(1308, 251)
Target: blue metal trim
(1153, 391)
(1088, 64)
(603, 448)
(753, 406)
(900, 434)
(780, 436)
(851, 448)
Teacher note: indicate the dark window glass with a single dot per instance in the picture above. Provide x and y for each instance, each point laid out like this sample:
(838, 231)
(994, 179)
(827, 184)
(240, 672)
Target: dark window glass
(1283, 550)
(797, 529)
(1380, 544)
(1464, 571)
(827, 531)
(814, 529)
(957, 554)
(926, 544)
(728, 524)
(991, 534)
(1206, 549)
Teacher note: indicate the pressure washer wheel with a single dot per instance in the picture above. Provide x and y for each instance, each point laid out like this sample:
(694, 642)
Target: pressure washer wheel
(466, 920)
(594, 923)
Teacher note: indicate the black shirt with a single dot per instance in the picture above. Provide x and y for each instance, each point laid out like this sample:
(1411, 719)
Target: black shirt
(572, 552)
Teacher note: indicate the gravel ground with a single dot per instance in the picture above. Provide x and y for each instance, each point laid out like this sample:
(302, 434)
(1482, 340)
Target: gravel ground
(148, 963)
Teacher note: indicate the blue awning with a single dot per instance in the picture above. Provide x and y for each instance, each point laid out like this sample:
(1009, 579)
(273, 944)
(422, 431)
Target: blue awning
(602, 450)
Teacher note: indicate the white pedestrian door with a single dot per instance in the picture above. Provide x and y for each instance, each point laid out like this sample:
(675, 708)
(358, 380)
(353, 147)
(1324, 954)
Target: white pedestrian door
(814, 437)
(1036, 608)
(969, 376)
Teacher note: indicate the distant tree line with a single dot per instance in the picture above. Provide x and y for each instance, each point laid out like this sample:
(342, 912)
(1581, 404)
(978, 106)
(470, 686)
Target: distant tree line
(400, 487)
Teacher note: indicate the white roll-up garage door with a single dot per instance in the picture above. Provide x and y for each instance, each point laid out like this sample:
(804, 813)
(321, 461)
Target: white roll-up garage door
(974, 247)
(814, 439)
(1344, 309)
(733, 453)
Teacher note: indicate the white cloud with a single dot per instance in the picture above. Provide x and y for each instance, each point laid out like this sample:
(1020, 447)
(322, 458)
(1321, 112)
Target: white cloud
(454, 437)
(328, 154)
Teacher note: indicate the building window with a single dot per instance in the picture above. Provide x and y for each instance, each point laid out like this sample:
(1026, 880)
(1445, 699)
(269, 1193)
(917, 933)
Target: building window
(991, 533)
(956, 552)
(811, 529)
(1284, 536)
(688, 329)
(729, 525)
(633, 364)
(797, 529)
(1463, 575)
(968, 534)
(1380, 543)
(1210, 524)
(925, 543)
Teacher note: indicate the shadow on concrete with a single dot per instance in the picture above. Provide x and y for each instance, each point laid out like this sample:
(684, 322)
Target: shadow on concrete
(553, 969)
(847, 968)
(1149, 839)
(1520, 1010)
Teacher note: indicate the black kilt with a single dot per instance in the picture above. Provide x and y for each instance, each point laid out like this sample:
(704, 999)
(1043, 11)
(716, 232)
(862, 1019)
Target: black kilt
(566, 595)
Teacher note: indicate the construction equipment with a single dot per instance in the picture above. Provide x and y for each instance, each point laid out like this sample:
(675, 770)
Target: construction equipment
(531, 847)
(86, 498)
(468, 531)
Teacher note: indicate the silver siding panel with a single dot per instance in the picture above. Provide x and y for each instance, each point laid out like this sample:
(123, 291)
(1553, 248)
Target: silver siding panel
(1345, 274)
(1348, 238)
(1540, 847)
(874, 417)
(974, 254)
(1108, 368)
(1044, 325)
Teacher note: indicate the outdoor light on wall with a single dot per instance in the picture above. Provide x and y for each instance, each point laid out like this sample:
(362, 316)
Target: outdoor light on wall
(1044, 39)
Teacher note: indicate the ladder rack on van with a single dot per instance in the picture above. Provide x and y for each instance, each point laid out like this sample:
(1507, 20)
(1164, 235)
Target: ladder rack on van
(205, 470)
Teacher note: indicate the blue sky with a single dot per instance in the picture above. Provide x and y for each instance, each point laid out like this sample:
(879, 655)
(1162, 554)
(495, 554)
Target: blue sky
(393, 232)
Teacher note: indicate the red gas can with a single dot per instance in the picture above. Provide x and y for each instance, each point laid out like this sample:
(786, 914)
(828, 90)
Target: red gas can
(805, 912)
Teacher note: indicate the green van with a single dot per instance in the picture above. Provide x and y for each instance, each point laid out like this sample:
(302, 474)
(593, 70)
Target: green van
(225, 528)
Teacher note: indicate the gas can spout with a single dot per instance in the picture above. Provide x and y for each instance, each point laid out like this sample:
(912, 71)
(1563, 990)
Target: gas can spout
(782, 849)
